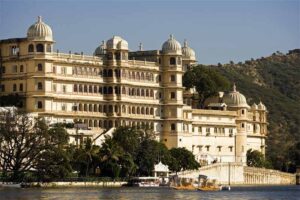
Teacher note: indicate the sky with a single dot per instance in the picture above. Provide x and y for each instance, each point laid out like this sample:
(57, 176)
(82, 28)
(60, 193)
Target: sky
(218, 30)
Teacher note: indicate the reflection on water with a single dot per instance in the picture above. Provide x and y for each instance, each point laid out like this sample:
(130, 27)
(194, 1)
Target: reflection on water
(245, 193)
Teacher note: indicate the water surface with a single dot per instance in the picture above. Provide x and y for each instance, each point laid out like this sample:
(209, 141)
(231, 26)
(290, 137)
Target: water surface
(237, 193)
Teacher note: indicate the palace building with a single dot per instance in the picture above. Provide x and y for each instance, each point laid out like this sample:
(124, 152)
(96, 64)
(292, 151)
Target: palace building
(117, 87)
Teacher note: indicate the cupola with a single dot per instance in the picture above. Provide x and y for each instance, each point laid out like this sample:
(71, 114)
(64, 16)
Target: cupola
(39, 31)
(171, 46)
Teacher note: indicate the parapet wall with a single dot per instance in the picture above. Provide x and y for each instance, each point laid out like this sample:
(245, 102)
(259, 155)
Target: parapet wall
(237, 174)
(253, 175)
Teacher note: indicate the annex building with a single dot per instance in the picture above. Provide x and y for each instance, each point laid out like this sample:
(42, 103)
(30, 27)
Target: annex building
(117, 87)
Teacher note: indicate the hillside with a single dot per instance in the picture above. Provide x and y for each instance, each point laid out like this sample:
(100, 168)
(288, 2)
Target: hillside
(275, 80)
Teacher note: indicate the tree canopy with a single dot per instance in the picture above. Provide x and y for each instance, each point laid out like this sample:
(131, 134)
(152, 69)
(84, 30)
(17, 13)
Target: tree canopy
(207, 81)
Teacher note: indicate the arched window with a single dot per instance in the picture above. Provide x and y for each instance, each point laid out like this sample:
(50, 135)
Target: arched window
(142, 110)
(151, 93)
(90, 89)
(104, 90)
(123, 90)
(30, 48)
(147, 93)
(151, 111)
(95, 123)
(142, 76)
(90, 123)
(129, 110)
(138, 110)
(143, 92)
(91, 108)
(95, 108)
(138, 92)
(147, 111)
(100, 108)
(80, 107)
(110, 109)
(172, 61)
(80, 88)
(85, 107)
(133, 75)
(95, 89)
(105, 108)
(133, 110)
(21, 68)
(39, 48)
(85, 88)
(138, 77)
(100, 90)
(123, 109)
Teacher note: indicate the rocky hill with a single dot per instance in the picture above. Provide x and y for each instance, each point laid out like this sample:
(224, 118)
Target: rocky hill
(275, 80)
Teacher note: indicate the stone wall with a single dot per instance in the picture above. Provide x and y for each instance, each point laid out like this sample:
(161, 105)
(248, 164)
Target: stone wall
(253, 175)
(237, 174)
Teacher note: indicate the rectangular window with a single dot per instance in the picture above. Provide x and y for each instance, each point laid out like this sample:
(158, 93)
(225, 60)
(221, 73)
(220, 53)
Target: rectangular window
(63, 70)
(173, 78)
(21, 68)
(21, 87)
(199, 129)
(64, 107)
(173, 127)
(230, 148)
(15, 87)
(54, 88)
(40, 67)
(2, 88)
(219, 148)
(3, 69)
(14, 50)
(207, 148)
(40, 86)
(173, 95)
(39, 105)
(64, 88)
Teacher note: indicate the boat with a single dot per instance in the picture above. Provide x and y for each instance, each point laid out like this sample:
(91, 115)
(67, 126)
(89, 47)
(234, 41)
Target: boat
(144, 182)
(225, 187)
(10, 185)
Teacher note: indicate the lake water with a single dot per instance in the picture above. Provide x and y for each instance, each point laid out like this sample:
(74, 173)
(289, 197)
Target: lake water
(243, 193)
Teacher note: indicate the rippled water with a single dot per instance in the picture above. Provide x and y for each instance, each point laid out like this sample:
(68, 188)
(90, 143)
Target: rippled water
(245, 193)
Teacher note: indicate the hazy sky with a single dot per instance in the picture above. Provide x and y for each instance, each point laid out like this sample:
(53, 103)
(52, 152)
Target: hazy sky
(219, 31)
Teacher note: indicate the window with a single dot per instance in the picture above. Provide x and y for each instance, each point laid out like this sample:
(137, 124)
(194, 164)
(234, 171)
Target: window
(243, 125)
(39, 104)
(173, 95)
(21, 68)
(243, 112)
(207, 131)
(2, 88)
(64, 88)
(54, 69)
(21, 87)
(40, 86)
(75, 88)
(215, 130)
(172, 61)
(14, 50)
(3, 69)
(207, 147)
(219, 148)
(40, 67)
(200, 129)
(30, 48)
(39, 48)
(173, 127)
(230, 148)
(230, 132)
(15, 87)
(63, 70)
(63, 107)
(173, 78)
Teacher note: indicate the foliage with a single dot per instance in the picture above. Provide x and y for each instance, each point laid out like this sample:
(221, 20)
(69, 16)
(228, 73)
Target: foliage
(256, 159)
(207, 81)
(275, 80)
(182, 160)
(27, 144)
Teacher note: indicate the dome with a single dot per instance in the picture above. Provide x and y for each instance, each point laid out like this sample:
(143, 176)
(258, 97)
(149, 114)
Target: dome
(187, 52)
(254, 106)
(261, 106)
(172, 46)
(116, 42)
(100, 50)
(39, 31)
(235, 99)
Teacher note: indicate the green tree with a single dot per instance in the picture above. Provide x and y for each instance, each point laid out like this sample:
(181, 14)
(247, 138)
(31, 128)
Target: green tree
(26, 144)
(183, 159)
(149, 154)
(256, 159)
(207, 81)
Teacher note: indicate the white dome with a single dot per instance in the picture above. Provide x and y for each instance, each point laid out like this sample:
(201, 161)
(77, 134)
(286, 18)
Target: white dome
(261, 106)
(116, 42)
(235, 99)
(172, 46)
(187, 52)
(39, 31)
(100, 50)
(254, 106)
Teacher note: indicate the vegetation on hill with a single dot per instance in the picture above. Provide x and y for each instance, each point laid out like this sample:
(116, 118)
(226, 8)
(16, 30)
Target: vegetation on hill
(275, 80)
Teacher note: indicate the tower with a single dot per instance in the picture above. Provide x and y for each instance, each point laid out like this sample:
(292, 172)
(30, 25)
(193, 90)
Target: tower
(172, 92)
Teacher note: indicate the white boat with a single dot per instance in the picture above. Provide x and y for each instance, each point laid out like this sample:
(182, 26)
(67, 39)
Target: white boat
(10, 185)
(225, 187)
(144, 182)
